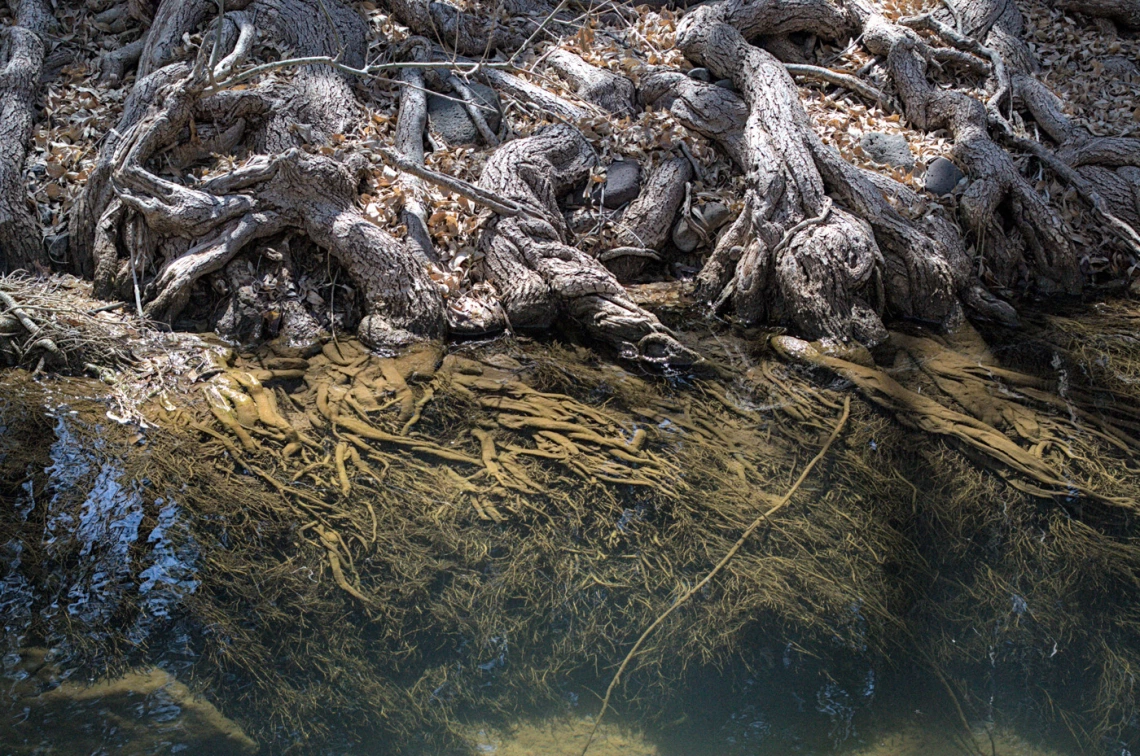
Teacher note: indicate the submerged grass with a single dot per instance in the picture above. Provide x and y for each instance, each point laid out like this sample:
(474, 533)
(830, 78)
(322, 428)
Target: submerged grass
(389, 547)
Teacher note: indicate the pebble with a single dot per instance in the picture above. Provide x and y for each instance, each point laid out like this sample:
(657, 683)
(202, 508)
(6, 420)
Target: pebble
(942, 176)
(623, 183)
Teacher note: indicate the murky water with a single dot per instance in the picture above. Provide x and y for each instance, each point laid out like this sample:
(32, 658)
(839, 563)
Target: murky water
(329, 552)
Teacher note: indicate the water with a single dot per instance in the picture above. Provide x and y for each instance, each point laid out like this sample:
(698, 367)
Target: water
(367, 557)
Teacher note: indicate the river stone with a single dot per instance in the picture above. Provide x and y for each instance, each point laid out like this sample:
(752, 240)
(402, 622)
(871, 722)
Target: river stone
(942, 176)
(891, 149)
(623, 183)
(714, 215)
(726, 84)
(448, 117)
(700, 74)
(685, 236)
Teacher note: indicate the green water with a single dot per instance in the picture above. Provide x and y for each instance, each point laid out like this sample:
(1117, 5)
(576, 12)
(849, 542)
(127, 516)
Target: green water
(157, 596)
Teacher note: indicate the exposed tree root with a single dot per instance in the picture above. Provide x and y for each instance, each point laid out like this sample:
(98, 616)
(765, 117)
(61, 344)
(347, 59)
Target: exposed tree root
(529, 258)
(22, 49)
(965, 383)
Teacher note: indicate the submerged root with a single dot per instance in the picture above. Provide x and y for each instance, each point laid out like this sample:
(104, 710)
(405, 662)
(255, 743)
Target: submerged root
(922, 412)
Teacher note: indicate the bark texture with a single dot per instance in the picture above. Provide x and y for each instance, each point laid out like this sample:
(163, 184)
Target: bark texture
(531, 260)
(644, 227)
(807, 261)
(614, 94)
(22, 49)
(770, 264)
(1104, 170)
(134, 225)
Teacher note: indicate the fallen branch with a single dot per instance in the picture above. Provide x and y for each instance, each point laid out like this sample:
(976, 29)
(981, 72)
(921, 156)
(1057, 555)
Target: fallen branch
(501, 205)
(736, 547)
(839, 79)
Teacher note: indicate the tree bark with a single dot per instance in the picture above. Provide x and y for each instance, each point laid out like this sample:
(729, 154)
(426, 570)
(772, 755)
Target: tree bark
(1109, 181)
(22, 49)
(614, 94)
(808, 262)
(530, 259)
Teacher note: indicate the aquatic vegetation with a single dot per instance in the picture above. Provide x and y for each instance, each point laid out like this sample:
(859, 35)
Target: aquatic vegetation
(374, 550)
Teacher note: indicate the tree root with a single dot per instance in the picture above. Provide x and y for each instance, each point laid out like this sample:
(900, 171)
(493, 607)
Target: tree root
(704, 581)
(924, 413)
(529, 258)
(22, 48)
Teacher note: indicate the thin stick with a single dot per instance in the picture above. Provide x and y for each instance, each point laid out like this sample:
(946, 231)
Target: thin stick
(253, 73)
(719, 566)
(837, 78)
(501, 205)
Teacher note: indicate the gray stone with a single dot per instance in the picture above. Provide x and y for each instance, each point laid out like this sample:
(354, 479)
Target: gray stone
(726, 84)
(714, 215)
(685, 237)
(891, 149)
(623, 183)
(942, 176)
(700, 74)
(448, 119)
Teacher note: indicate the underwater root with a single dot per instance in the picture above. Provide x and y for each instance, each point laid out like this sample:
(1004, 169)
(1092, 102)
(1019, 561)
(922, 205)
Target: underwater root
(699, 585)
(923, 413)
(350, 406)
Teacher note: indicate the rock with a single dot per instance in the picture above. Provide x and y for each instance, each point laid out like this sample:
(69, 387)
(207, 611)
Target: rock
(623, 183)
(685, 236)
(1118, 65)
(700, 74)
(448, 119)
(714, 215)
(891, 149)
(57, 245)
(148, 711)
(942, 176)
(726, 84)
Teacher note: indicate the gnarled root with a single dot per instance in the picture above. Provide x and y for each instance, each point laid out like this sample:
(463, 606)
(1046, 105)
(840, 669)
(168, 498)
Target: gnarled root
(126, 204)
(1104, 171)
(801, 259)
(1040, 248)
(530, 259)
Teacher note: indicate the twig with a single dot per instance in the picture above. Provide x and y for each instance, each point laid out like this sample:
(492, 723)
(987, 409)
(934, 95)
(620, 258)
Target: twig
(837, 78)
(966, 44)
(538, 30)
(719, 566)
(252, 73)
(500, 205)
(1083, 186)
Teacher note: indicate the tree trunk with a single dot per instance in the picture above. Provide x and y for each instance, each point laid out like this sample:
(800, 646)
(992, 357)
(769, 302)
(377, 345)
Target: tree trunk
(22, 48)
